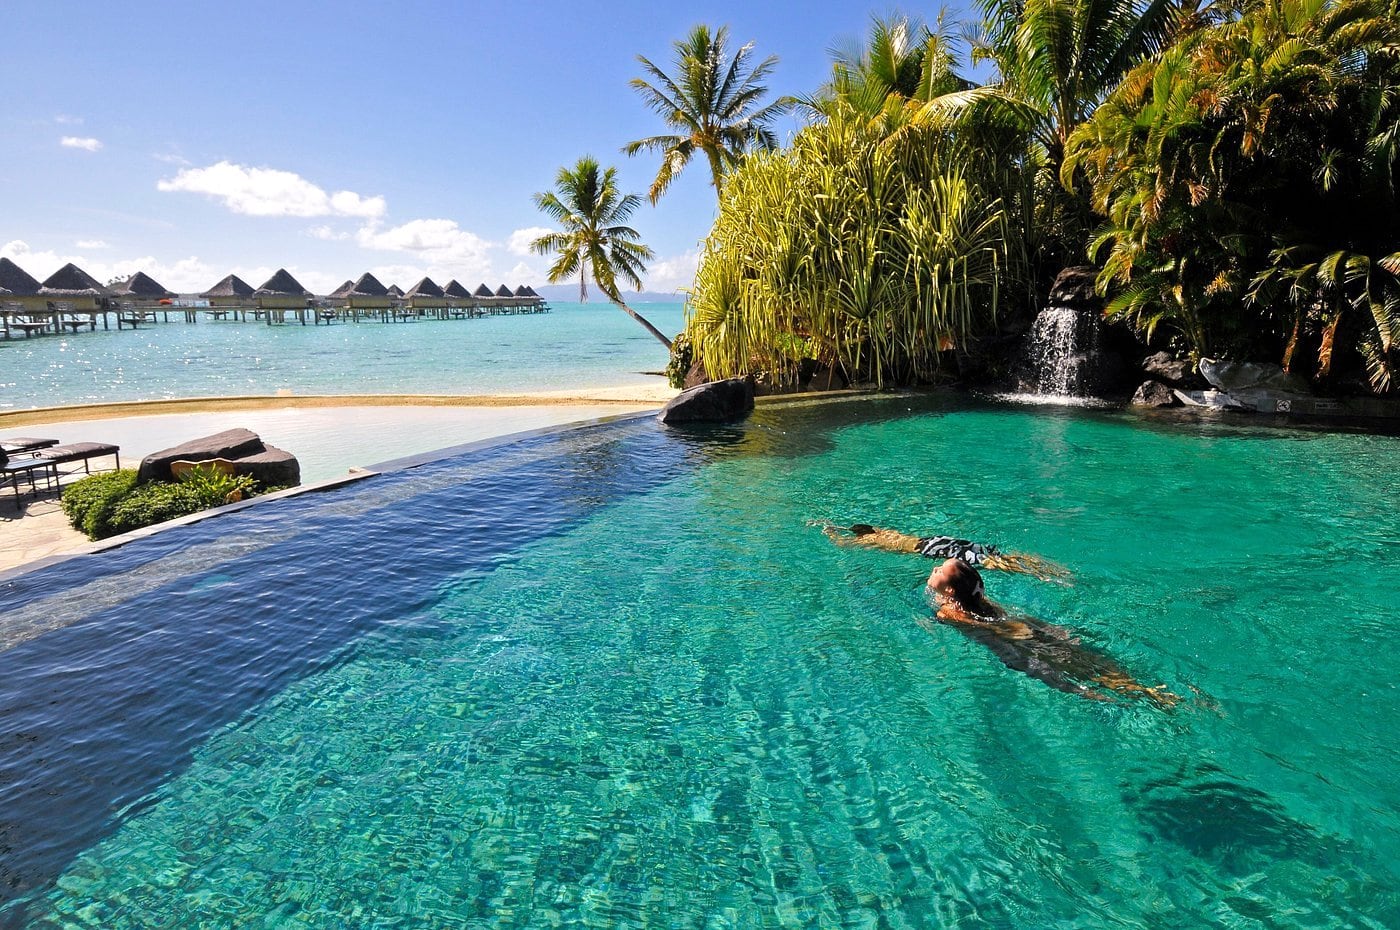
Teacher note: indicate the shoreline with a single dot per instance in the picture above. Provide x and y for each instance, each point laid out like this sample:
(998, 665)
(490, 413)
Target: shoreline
(629, 394)
(331, 435)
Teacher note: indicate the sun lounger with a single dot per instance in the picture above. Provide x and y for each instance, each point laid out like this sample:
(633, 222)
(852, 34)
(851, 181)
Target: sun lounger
(82, 452)
(21, 445)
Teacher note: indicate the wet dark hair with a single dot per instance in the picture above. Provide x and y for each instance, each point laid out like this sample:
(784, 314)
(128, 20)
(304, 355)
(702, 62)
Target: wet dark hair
(862, 529)
(966, 584)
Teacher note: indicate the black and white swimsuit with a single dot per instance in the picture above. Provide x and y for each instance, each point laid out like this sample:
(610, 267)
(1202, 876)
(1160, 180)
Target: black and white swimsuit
(946, 547)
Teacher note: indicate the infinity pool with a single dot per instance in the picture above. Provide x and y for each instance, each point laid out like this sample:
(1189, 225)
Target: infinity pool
(610, 677)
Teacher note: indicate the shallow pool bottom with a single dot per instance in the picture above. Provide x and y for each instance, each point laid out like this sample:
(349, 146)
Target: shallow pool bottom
(613, 677)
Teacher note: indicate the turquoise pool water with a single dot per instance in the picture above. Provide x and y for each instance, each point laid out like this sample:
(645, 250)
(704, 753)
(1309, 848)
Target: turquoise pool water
(576, 345)
(612, 678)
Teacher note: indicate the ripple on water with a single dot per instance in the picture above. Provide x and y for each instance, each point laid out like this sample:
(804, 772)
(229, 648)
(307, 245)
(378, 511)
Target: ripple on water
(621, 682)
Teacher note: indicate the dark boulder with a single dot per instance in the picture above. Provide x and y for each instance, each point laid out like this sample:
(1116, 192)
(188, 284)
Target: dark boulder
(271, 468)
(1155, 394)
(230, 444)
(1074, 288)
(716, 402)
(1177, 372)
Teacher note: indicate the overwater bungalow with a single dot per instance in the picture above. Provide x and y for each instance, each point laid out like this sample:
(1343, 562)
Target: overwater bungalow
(482, 291)
(395, 290)
(424, 296)
(21, 289)
(281, 293)
(503, 291)
(232, 294)
(141, 287)
(366, 295)
(459, 300)
(73, 286)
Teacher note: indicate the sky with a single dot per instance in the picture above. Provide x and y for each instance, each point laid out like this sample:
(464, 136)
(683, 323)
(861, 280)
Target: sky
(196, 139)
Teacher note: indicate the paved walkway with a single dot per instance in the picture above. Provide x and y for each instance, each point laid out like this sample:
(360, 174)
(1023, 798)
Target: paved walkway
(327, 440)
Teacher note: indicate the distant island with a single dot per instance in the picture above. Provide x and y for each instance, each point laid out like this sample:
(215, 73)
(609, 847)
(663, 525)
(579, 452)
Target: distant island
(568, 293)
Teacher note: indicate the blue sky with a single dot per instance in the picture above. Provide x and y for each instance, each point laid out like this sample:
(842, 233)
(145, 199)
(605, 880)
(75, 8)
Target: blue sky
(195, 139)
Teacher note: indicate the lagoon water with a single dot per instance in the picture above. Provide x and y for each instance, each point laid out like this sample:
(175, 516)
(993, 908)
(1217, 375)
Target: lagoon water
(613, 678)
(575, 346)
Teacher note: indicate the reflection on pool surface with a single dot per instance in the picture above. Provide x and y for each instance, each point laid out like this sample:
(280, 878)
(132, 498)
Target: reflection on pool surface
(611, 678)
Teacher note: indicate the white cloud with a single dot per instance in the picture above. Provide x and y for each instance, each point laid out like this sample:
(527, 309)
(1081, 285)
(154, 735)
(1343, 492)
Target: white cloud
(86, 143)
(90, 244)
(326, 233)
(519, 241)
(270, 192)
(436, 241)
(673, 274)
(522, 273)
(170, 158)
(64, 119)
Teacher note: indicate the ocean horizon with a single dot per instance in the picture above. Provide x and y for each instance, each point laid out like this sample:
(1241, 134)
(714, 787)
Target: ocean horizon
(574, 346)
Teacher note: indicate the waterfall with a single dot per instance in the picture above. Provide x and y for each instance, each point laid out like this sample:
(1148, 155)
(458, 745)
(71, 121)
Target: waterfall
(1062, 353)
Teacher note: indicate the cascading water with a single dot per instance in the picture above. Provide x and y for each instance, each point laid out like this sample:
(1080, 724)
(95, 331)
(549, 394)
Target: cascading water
(1063, 360)
(1062, 353)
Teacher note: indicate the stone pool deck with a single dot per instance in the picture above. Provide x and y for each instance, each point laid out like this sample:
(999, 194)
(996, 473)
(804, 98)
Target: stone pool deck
(329, 436)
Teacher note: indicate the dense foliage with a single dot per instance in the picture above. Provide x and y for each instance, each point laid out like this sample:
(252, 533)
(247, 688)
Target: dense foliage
(1249, 179)
(113, 503)
(870, 253)
(916, 203)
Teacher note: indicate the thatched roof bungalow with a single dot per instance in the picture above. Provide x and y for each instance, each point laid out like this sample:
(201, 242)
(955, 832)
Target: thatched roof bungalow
(75, 286)
(232, 291)
(141, 286)
(453, 289)
(282, 292)
(342, 293)
(503, 291)
(16, 281)
(482, 291)
(425, 294)
(368, 294)
(395, 290)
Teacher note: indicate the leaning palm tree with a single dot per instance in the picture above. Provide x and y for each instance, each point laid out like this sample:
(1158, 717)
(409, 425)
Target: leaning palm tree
(713, 103)
(595, 240)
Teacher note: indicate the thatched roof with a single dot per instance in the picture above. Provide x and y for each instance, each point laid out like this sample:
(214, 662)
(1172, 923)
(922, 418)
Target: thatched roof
(522, 291)
(395, 291)
(72, 281)
(232, 286)
(140, 285)
(482, 291)
(454, 289)
(424, 288)
(503, 291)
(530, 291)
(368, 286)
(15, 280)
(343, 291)
(282, 284)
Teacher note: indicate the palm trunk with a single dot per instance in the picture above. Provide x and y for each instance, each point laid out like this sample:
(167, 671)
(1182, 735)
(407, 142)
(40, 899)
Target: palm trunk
(643, 320)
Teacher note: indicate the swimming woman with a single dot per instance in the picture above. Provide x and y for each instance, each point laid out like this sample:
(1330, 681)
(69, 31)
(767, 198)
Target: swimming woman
(1043, 651)
(944, 547)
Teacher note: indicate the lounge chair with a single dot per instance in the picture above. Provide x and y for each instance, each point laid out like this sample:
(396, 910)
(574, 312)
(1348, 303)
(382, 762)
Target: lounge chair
(82, 452)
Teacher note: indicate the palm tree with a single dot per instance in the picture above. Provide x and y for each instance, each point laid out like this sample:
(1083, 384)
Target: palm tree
(713, 103)
(594, 240)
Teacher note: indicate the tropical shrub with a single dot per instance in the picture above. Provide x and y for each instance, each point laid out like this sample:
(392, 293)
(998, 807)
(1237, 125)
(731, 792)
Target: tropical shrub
(1249, 180)
(859, 249)
(88, 502)
(154, 502)
(113, 503)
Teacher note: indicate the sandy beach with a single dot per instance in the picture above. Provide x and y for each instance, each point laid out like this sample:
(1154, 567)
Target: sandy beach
(329, 434)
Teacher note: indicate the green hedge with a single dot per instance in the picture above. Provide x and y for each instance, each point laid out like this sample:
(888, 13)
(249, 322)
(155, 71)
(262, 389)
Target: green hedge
(113, 503)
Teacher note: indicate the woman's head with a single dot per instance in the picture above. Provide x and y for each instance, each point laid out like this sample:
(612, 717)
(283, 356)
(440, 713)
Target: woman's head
(957, 581)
